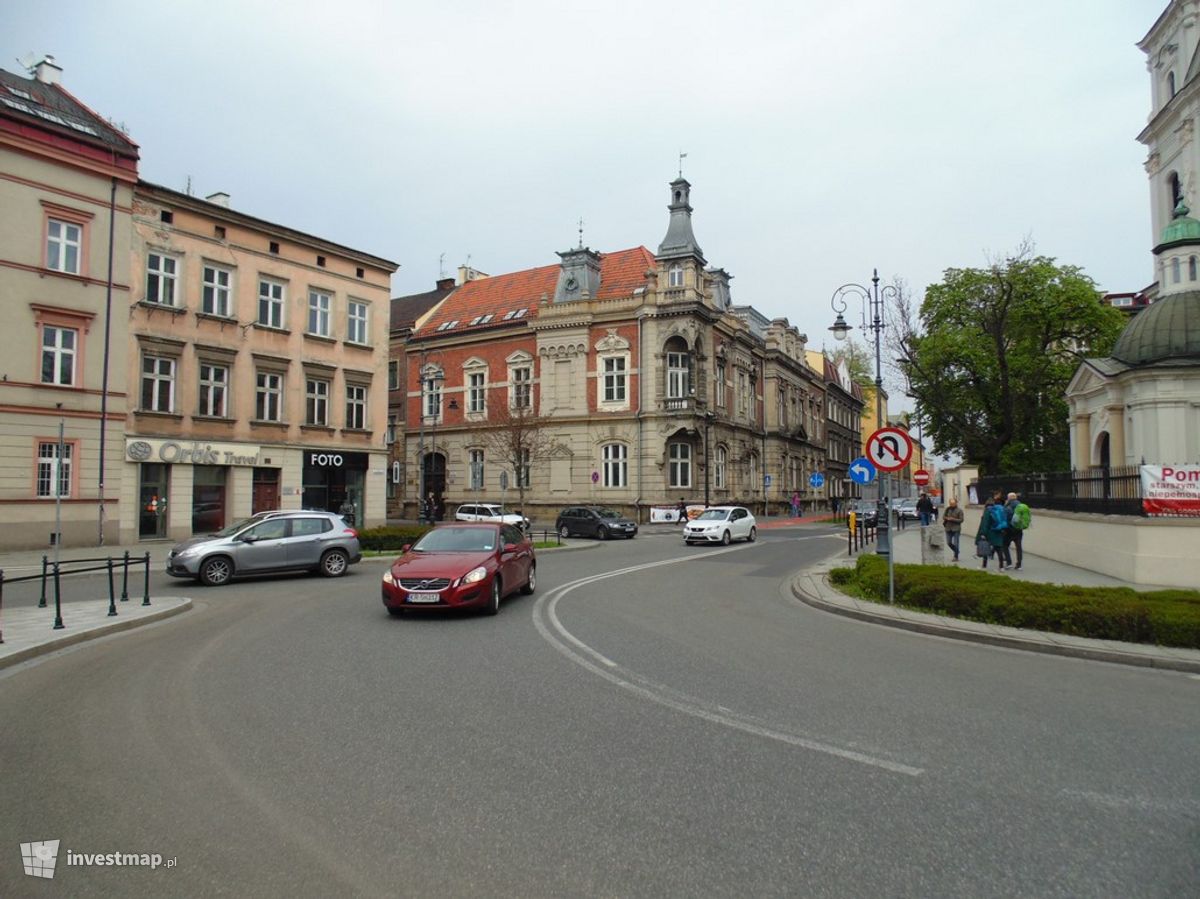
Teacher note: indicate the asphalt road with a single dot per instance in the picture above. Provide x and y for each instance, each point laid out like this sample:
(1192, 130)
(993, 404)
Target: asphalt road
(656, 721)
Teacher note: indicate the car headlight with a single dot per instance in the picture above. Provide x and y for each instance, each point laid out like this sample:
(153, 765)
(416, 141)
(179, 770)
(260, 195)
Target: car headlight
(187, 553)
(475, 576)
(388, 579)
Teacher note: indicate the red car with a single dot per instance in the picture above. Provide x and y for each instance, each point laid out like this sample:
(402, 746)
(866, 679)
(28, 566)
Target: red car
(461, 566)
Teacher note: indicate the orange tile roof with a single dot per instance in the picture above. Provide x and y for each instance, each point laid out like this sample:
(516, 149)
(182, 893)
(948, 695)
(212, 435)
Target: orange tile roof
(620, 274)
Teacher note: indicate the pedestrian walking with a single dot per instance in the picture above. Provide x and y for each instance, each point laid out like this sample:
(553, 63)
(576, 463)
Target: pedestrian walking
(682, 510)
(989, 538)
(952, 520)
(1019, 518)
(796, 504)
(925, 509)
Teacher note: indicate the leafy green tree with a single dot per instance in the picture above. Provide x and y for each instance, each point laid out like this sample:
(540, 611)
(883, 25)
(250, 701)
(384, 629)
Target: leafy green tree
(860, 361)
(990, 358)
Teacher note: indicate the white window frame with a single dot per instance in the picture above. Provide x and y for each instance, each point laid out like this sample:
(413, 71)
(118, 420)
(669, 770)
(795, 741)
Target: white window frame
(393, 375)
(524, 468)
(678, 382)
(719, 386)
(356, 407)
(268, 396)
(59, 354)
(477, 393)
(720, 464)
(64, 248)
(216, 290)
(679, 464)
(272, 295)
(431, 394)
(675, 276)
(48, 465)
(320, 303)
(316, 402)
(614, 459)
(214, 390)
(520, 394)
(161, 381)
(357, 319)
(614, 389)
(161, 278)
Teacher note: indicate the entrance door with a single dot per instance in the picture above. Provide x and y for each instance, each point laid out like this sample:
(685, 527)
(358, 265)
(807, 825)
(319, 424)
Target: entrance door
(152, 500)
(266, 490)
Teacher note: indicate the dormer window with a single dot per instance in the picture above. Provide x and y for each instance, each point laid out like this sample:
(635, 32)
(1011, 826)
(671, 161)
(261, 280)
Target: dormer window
(675, 276)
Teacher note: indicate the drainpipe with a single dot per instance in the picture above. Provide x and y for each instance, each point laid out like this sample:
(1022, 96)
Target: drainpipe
(112, 215)
(640, 422)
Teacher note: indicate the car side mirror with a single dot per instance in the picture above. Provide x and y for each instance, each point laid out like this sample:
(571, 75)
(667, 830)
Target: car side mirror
(248, 538)
(405, 548)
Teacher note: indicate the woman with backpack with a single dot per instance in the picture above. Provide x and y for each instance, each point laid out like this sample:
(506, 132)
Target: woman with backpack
(990, 536)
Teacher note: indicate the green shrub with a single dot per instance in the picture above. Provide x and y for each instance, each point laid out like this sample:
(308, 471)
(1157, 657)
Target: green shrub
(390, 537)
(1164, 617)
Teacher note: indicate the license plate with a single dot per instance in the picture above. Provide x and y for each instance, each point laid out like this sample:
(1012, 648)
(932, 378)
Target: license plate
(424, 597)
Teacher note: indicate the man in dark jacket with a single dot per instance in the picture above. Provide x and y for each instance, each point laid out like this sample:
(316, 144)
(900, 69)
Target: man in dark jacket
(1013, 535)
(925, 509)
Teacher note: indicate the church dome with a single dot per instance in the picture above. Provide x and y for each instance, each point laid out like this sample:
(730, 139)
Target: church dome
(1167, 329)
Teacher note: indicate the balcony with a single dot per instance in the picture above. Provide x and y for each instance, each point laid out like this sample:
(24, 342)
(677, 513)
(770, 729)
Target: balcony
(685, 404)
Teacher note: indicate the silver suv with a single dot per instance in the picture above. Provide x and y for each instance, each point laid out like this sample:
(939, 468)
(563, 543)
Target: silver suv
(267, 543)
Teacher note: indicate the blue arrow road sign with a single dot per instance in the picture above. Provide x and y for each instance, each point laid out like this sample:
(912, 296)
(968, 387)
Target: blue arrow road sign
(862, 471)
(816, 479)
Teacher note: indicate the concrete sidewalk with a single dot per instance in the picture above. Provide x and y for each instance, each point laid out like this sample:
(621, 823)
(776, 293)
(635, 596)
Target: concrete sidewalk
(813, 588)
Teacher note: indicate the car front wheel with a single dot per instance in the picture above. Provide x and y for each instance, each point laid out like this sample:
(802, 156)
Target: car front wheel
(334, 563)
(753, 535)
(726, 539)
(602, 532)
(216, 571)
(493, 605)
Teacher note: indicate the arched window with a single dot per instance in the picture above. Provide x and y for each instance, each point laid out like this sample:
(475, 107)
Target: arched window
(1191, 268)
(679, 380)
(616, 465)
(1175, 270)
(679, 467)
(675, 276)
(721, 460)
(1176, 192)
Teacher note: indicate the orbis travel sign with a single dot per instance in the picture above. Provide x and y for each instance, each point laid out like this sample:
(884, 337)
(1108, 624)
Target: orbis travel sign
(192, 452)
(1171, 490)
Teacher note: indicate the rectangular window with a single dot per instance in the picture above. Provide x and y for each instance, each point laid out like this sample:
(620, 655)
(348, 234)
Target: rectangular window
(719, 468)
(51, 470)
(476, 458)
(433, 398)
(356, 325)
(356, 407)
(393, 375)
(268, 397)
(475, 394)
(316, 402)
(678, 382)
(160, 279)
(64, 241)
(616, 465)
(743, 396)
(158, 384)
(215, 291)
(522, 383)
(523, 468)
(719, 386)
(270, 304)
(679, 469)
(614, 379)
(58, 355)
(214, 381)
(318, 313)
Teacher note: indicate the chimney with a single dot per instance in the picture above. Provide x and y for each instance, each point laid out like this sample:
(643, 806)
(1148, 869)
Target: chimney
(47, 71)
(220, 198)
(445, 284)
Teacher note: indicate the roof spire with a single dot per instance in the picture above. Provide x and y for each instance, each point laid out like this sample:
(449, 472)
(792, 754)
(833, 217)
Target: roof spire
(682, 157)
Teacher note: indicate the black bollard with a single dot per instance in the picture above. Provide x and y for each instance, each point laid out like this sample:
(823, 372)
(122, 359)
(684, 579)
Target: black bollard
(45, 565)
(146, 594)
(1, 602)
(58, 622)
(125, 578)
(112, 594)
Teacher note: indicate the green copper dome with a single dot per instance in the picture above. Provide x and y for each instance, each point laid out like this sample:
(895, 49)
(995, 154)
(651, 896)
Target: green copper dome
(1167, 329)
(1182, 227)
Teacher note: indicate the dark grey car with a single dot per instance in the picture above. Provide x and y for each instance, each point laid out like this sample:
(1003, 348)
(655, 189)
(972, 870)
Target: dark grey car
(594, 521)
(267, 543)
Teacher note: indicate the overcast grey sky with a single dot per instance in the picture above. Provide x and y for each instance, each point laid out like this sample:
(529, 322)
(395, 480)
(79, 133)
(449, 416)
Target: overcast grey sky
(823, 139)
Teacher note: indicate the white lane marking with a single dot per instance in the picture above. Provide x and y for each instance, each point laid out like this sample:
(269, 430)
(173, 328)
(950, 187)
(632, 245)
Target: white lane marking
(570, 646)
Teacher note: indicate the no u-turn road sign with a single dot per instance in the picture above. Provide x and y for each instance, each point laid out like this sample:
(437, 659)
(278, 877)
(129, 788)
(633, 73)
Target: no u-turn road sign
(889, 449)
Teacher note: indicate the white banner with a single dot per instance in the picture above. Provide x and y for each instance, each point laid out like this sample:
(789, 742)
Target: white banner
(1171, 490)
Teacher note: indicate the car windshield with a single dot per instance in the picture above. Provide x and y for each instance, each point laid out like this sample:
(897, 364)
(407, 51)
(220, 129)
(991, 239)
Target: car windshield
(607, 513)
(244, 523)
(456, 540)
(712, 515)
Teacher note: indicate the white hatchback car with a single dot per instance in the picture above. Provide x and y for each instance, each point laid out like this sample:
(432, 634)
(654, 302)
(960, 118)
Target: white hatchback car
(492, 512)
(721, 524)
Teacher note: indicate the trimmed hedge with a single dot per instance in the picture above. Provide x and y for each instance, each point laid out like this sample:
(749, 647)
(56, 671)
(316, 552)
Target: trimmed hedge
(390, 537)
(1161, 617)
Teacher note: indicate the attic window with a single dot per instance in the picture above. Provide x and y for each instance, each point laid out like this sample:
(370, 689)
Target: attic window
(20, 93)
(443, 326)
(167, 216)
(359, 273)
(520, 312)
(509, 314)
(477, 319)
(219, 230)
(274, 246)
(321, 261)
(487, 318)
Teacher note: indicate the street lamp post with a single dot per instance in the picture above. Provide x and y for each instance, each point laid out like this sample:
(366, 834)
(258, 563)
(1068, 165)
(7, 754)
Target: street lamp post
(872, 299)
